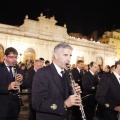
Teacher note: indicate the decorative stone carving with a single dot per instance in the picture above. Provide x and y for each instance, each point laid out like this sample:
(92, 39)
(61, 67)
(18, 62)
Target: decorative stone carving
(65, 25)
(41, 14)
(26, 17)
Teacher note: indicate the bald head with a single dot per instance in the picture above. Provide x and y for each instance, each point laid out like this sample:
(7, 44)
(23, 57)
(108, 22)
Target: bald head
(37, 64)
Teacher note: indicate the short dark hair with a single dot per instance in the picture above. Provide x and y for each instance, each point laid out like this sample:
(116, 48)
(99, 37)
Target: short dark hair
(108, 67)
(41, 59)
(91, 64)
(112, 66)
(47, 61)
(11, 50)
(117, 63)
(80, 61)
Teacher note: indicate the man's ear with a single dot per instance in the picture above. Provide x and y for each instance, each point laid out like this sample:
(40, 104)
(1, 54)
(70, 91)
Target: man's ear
(5, 56)
(118, 65)
(56, 55)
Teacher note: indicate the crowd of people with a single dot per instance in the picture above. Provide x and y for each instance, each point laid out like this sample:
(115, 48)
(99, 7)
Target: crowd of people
(51, 96)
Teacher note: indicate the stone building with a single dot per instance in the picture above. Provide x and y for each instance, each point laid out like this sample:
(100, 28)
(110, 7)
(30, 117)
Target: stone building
(112, 38)
(35, 39)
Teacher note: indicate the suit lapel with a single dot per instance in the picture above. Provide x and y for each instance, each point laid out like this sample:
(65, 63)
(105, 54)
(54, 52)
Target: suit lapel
(6, 72)
(56, 78)
(115, 81)
(77, 71)
(91, 76)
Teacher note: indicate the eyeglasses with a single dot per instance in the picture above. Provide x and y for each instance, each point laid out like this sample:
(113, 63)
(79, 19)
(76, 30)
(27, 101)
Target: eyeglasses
(13, 57)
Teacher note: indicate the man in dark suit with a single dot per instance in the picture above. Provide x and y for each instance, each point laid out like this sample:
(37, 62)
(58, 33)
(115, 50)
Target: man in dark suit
(29, 78)
(89, 85)
(108, 93)
(78, 72)
(9, 100)
(51, 89)
(77, 75)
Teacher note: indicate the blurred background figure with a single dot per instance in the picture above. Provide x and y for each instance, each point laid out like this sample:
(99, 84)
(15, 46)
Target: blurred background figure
(72, 66)
(86, 68)
(29, 77)
(23, 68)
(106, 70)
(99, 72)
(77, 75)
(89, 87)
(29, 66)
(108, 94)
(47, 62)
(19, 64)
(112, 68)
(42, 61)
(78, 72)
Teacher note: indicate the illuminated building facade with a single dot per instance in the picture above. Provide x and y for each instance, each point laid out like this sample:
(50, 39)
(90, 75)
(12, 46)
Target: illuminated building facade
(112, 38)
(35, 39)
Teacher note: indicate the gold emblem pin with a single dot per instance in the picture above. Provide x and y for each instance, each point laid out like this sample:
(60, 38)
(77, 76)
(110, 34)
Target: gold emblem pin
(93, 88)
(107, 105)
(53, 106)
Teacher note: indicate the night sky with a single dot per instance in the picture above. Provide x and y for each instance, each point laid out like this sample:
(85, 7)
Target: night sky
(82, 16)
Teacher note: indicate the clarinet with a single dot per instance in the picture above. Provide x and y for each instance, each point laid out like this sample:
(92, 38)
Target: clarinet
(74, 91)
(18, 92)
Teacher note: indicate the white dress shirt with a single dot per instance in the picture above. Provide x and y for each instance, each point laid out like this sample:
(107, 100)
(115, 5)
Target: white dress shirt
(58, 69)
(117, 76)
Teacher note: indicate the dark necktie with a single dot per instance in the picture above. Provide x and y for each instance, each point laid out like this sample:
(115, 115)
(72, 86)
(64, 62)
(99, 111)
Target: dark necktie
(11, 73)
(63, 80)
(62, 72)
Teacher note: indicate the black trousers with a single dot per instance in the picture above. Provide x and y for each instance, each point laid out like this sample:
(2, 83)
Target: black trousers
(8, 119)
(109, 114)
(32, 113)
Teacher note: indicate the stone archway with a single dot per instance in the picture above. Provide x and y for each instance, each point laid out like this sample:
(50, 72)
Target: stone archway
(1, 53)
(29, 56)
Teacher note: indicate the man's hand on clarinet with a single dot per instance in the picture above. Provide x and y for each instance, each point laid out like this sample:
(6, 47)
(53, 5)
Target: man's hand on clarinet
(77, 88)
(19, 77)
(73, 100)
(13, 86)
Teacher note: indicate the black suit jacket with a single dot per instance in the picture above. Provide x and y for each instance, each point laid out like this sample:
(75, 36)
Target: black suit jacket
(89, 83)
(77, 76)
(48, 94)
(9, 103)
(108, 94)
(29, 78)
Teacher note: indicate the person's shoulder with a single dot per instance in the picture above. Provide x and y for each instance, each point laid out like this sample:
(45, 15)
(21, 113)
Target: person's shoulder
(106, 77)
(74, 69)
(87, 73)
(44, 69)
(30, 71)
(2, 64)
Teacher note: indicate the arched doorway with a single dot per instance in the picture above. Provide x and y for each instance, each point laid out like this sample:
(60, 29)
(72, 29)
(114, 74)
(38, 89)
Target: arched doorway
(1, 53)
(29, 55)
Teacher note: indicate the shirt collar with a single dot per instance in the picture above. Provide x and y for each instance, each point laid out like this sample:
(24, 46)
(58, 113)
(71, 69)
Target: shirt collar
(58, 69)
(92, 72)
(6, 64)
(78, 69)
(117, 76)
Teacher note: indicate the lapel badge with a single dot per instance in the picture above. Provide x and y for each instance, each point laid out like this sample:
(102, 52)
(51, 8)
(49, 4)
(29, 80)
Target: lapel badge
(93, 88)
(107, 105)
(53, 106)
